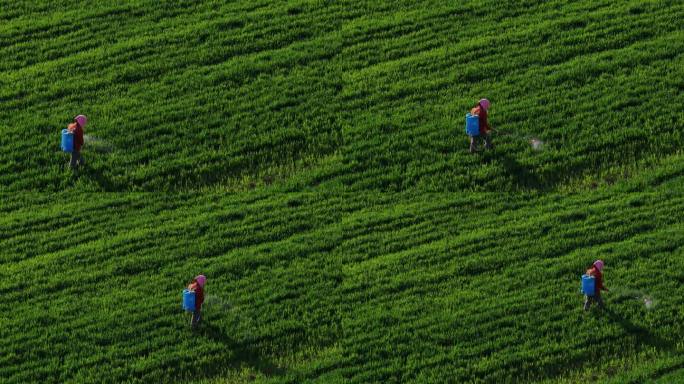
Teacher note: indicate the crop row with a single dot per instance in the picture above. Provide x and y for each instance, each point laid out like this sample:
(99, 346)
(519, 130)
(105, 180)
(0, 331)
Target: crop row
(182, 100)
(356, 287)
(582, 81)
(355, 94)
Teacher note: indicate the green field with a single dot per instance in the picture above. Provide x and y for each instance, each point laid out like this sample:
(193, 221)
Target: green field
(359, 288)
(309, 158)
(358, 95)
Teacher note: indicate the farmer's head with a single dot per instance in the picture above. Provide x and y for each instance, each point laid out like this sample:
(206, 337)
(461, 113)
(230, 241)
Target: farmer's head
(200, 279)
(81, 120)
(598, 264)
(485, 104)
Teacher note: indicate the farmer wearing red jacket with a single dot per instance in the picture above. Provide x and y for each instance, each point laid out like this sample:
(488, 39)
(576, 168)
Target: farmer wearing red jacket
(595, 271)
(480, 109)
(76, 128)
(197, 286)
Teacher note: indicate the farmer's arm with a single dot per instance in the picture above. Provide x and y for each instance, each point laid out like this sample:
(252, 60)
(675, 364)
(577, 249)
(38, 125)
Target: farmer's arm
(484, 120)
(79, 136)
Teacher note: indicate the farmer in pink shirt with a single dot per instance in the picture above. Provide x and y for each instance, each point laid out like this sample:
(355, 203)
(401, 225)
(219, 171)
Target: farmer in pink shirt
(197, 286)
(480, 109)
(76, 128)
(596, 271)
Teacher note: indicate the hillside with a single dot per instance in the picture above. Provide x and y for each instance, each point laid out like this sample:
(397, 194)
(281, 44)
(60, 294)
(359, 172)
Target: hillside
(309, 158)
(362, 287)
(356, 95)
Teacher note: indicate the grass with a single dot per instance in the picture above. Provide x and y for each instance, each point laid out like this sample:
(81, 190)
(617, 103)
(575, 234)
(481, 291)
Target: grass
(356, 95)
(188, 95)
(110, 287)
(309, 158)
(358, 288)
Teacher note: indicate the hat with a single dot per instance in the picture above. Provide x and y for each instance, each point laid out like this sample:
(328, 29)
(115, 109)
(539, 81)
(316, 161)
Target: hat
(81, 120)
(201, 279)
(599, 265)
(485, 104)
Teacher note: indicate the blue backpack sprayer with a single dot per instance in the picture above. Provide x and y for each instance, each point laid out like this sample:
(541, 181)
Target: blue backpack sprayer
(472, 127)
(188, 300)
(67, 141)
(588, 285)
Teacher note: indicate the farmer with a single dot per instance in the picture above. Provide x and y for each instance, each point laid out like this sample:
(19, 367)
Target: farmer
(595, 270)
(480, 109)
(76, 128)
(197, 286)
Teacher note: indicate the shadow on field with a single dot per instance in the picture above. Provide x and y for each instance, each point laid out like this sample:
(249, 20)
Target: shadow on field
(643, 335)
(96, 176)
(521, 176)
(243, 354)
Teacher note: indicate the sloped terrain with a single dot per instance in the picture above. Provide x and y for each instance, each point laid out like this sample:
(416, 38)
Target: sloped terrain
(355, 95)
(309, 158)
(360, 288)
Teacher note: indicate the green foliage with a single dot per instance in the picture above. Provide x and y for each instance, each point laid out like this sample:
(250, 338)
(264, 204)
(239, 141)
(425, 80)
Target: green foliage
(311, 110)
(356, 94)
(188, 95)
(360, 288)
